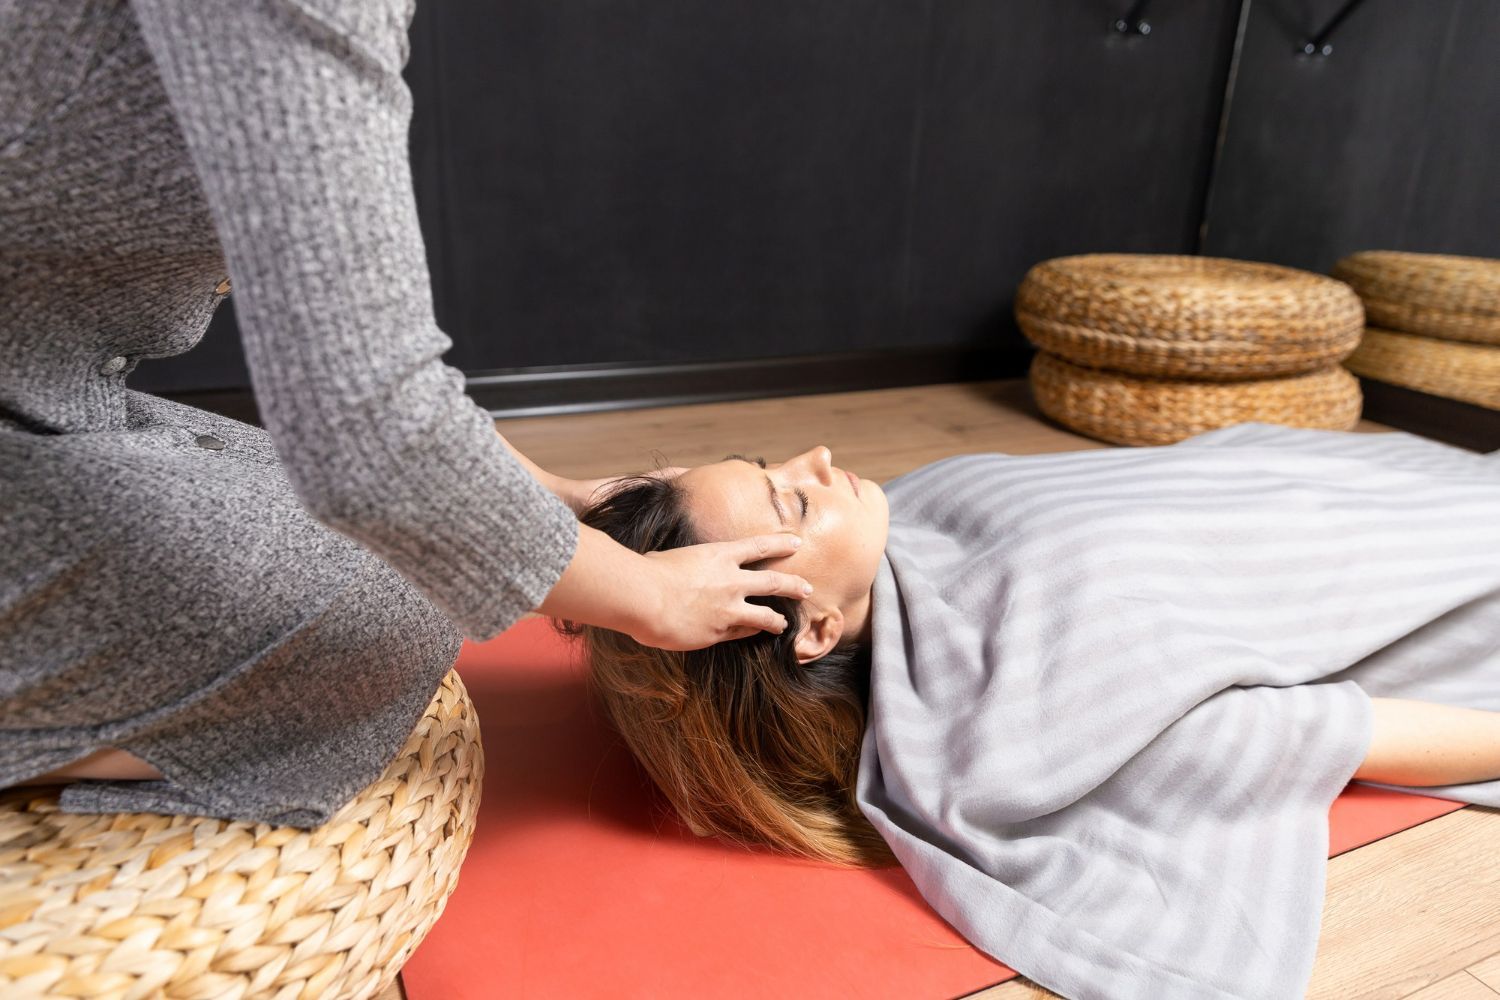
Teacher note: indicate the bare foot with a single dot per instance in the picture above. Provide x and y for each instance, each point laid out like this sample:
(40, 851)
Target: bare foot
(107, 764)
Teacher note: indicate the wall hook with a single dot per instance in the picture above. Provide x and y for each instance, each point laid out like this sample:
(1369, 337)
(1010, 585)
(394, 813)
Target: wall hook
(1134, 21)
(1321, 44)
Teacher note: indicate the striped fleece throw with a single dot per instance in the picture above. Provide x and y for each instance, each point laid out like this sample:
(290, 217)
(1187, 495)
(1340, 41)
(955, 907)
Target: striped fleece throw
(1114, 692)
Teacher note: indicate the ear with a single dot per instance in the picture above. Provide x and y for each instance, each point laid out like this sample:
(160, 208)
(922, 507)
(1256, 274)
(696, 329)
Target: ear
(822, 628)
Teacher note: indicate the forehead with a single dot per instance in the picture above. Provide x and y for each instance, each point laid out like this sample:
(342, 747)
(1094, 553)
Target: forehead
(729, 500)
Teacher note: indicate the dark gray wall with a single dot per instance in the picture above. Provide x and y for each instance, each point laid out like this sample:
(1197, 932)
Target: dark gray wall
(614, 182)
(629, 182)
(1391, 142)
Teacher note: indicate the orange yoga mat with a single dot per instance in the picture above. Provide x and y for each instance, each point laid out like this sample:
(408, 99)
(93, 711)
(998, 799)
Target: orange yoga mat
(580, 883)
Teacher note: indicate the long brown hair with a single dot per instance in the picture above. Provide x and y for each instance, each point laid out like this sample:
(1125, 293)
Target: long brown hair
(746, 743)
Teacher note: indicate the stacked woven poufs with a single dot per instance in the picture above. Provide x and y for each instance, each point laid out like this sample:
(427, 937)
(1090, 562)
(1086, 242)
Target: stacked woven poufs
(126, 905)
(1148, 349)
(1434, 322)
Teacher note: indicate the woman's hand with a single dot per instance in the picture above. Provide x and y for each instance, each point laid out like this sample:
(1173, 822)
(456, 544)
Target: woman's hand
(683, 598)
(701, 589)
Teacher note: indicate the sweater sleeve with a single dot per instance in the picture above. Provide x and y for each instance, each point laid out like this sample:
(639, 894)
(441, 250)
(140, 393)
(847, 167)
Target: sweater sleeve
(296, 116)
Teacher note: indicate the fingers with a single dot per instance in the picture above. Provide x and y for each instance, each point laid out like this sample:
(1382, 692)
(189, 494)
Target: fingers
(772, 546)
(769, 583)
(591, 491)
(758, 619)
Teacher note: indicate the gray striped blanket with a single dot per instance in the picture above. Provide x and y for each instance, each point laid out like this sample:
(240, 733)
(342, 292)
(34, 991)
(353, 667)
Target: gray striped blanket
(1114, 692)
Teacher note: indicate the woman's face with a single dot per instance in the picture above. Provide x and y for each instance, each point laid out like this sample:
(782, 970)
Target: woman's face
(841, 518)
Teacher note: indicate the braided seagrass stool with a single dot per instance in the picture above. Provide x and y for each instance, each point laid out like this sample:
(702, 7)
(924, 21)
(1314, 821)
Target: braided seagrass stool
(1176, 316)
(1434, 295)
(1148, 349)
(1447, 368)
(1132, 410)
(136, 905)
(1434, 322)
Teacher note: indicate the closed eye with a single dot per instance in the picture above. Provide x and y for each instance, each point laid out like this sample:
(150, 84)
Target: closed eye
(802, 495)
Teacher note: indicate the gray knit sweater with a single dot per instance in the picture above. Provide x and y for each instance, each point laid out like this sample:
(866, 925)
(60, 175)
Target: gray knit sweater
(151, 151)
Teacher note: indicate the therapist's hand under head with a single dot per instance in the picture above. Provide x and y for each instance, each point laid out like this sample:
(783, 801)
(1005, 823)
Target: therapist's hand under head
(580, 494)
(703, 588)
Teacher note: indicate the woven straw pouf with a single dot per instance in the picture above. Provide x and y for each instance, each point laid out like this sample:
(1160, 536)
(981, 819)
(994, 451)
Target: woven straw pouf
(1454, 370)
(1436, 295)
(135, 905)
(1175, 316)
(1131, 410)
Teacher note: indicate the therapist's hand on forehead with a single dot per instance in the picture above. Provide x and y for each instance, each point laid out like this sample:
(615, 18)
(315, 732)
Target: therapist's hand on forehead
(684, 598)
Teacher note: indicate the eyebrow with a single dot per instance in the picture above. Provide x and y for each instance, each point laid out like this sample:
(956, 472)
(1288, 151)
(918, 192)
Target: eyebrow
(775, 501)
(770, 486)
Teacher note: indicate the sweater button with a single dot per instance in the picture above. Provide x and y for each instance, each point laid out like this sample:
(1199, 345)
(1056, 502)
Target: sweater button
(209, 441)
(113, 366)
(222, 288)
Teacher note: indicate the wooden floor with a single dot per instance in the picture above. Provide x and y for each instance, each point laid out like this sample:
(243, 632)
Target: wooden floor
(1414, 915)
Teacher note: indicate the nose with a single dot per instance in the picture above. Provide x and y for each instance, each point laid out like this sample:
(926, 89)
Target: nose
(815, 463)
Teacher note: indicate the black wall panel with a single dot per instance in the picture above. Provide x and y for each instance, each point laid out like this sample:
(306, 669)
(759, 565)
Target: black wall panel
(215, 362)
(1043, 132)
(644, 181)
(632, 185)
(1390, 142)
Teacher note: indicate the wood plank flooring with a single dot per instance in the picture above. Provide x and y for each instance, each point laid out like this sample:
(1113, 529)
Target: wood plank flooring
(1414, 915)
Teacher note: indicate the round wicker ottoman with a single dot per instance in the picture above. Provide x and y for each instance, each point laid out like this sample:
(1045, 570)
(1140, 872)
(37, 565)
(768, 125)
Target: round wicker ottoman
(131, 905)
(1174, 316)
(1131, 410)
(1436, 295)
(1454, 370)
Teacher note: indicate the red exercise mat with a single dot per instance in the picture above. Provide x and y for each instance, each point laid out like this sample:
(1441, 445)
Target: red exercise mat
(580, 883)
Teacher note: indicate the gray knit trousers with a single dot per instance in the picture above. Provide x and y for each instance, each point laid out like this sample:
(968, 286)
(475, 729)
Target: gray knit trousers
(162, 590)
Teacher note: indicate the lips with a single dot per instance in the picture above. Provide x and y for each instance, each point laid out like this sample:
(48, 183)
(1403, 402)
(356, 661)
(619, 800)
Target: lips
(853, 481)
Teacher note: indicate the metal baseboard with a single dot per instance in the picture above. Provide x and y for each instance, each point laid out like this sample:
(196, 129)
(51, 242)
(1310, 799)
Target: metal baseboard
(524, 392)
(1448, 420)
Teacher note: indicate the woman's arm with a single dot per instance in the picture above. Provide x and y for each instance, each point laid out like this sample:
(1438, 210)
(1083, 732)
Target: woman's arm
(1425, 743)
(296, 116)
(565, 489)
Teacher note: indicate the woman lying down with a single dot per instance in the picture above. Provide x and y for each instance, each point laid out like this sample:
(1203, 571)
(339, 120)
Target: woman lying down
(1096, 703)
